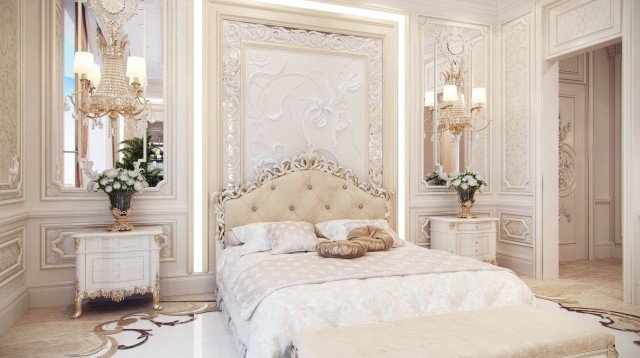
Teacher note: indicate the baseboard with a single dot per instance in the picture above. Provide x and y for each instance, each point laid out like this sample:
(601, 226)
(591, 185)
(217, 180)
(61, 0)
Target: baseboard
(48, 295)
(13, 308)
(603, 251)
(516, 264)
(194, 283)
(61, 293)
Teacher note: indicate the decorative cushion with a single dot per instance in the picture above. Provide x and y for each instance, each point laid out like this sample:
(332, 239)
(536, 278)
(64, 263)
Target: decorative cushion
(339, 229)
(291, 236)
(254, 236)
(341, 249)
(232, 239)
(373, 237)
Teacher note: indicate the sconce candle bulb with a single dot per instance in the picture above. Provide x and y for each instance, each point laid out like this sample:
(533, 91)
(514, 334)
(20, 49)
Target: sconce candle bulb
(478, 96)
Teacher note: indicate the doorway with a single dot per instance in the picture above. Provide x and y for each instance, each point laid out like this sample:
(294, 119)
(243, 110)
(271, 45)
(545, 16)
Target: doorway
(589, 170)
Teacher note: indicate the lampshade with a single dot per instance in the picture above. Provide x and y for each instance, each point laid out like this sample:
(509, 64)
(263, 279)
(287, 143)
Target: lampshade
(450, 93)
(428, 99)
(478, 95)
(136, 69)
(94, 74)
(83, 63)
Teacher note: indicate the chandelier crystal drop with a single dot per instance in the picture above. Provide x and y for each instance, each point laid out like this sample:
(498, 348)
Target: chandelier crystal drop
(453, 115)
(105, 94)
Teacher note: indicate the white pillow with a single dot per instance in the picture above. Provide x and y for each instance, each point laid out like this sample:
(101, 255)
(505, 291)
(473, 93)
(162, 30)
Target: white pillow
(291, 236)
(339, 229)
(254, 236)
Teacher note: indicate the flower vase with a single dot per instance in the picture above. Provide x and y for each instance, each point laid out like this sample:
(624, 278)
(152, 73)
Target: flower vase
(120, 209)
(465, 198)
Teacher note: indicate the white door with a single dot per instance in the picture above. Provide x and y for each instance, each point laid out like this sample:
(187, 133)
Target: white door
(573, 173)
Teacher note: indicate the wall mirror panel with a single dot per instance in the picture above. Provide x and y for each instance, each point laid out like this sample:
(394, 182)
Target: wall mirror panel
(80, 145)
(455, 88)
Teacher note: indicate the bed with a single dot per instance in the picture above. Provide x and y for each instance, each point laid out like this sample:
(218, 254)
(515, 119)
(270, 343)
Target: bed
(313, 293)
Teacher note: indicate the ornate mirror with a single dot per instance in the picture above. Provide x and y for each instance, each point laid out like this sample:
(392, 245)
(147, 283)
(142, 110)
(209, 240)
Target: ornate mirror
(455, 89)
(80, 144)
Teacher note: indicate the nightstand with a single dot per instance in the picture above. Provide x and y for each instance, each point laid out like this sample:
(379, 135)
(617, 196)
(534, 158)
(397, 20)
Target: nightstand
(116, 265)
(474, 238)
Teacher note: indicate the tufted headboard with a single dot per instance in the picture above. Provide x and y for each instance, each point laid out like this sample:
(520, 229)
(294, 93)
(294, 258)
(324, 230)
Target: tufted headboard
(307, 188)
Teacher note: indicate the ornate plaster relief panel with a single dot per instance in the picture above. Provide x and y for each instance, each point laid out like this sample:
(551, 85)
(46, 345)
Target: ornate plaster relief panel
(58, 247)
(285, 89)
(516, 45)
(11, 152)
(11, 254)
(577, 24)
(516, 228)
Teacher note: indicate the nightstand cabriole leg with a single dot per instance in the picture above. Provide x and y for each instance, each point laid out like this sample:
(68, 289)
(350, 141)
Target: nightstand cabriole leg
(78, 303)
(156, 300)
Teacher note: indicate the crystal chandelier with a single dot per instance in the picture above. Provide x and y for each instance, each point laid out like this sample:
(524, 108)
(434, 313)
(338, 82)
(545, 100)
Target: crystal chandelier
(107, 94)
(453, 115)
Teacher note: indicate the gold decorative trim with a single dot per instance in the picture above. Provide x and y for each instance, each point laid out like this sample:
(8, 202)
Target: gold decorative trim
(307, 160)
(118, 295)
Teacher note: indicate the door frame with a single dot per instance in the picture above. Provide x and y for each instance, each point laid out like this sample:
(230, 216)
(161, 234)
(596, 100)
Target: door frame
(546, 93)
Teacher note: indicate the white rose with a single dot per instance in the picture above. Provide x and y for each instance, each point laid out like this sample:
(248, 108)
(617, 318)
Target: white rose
(111, 173)
(124, 186)
(108, 189)
(129, 182)
(457, 182)
(137, 186)
(464, 186)
(467, 178)
(123, 177)
(116, 185)
(443, 176)
(472, 182)
(104, 181)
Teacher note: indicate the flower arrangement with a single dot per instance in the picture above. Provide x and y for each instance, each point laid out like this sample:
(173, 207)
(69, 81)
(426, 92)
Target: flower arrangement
(120, 185)
(466, 184)
(437, 178)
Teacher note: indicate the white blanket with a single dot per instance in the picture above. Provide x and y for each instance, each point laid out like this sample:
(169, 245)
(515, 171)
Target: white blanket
(347, 302)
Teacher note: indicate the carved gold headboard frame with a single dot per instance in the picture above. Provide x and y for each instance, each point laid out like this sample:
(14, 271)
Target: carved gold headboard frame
(375, 203)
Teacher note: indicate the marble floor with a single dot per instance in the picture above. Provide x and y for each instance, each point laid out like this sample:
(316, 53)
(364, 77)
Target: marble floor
(190, 326)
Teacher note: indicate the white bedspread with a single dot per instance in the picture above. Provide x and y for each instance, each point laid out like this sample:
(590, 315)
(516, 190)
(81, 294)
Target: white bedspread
(308, 307)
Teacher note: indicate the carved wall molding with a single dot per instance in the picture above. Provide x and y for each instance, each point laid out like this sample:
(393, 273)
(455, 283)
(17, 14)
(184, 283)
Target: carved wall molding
(11, 119)
(57, 247)
(516, 228)
(52, 186)
(11, 254)
(574, 69)
(516, 128)
(236, 33)
(577, 24)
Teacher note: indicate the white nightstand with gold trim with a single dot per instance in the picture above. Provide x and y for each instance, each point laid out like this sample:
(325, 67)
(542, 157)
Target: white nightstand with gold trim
(474, 238)
(116, 265)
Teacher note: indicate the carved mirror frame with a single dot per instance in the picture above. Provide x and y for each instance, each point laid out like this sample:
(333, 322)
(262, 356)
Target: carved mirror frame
(52, 187)
(486, 138)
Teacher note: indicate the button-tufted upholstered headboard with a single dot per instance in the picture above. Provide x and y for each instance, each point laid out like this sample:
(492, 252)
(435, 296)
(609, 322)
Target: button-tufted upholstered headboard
(308, 188)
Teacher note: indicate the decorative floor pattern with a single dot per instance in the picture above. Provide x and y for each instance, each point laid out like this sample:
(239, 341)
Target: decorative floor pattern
(189, 326)
(593, 288)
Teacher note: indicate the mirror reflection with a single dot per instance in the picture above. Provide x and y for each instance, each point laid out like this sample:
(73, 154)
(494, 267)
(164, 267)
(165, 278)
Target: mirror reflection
(87, 144)
(455, 96)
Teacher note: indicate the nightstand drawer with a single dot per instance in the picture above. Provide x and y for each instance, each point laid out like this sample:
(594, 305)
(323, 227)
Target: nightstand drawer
(133, 276)
(473, 245)
(474, 227)
(117, 243)
(118, 261)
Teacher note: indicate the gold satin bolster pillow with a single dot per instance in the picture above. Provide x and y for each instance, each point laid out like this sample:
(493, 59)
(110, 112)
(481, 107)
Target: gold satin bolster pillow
(341, 249)
(373, 237)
